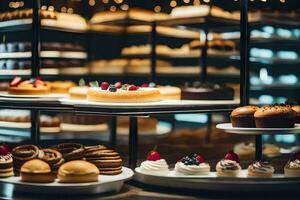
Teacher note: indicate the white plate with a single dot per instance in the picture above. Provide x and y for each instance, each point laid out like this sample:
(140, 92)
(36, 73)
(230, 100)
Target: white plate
(105, 184)
(159, 103)
(172, 174)
(52, 96)
(227, 127)
(214, 183)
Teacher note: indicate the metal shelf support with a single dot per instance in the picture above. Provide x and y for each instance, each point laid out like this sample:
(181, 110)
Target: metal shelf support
(133, 142)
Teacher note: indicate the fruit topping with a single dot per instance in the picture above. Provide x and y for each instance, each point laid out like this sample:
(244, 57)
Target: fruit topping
(118, 85)
(94, 84)
(124, 87)
(145, 85)
(153, 155)
(4, 149)
(112, 88)
(16, 81)
(152, 85)
(200, 158)
(296, 156)
(133, 88)
(190, 160)
(104, 85)
(81, 82)
(232, 156)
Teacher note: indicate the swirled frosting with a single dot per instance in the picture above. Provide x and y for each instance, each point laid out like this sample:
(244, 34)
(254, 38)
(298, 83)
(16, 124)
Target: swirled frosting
(155, 167)
(261, 167)
(201, 169)
(228, 165)
(293, 164)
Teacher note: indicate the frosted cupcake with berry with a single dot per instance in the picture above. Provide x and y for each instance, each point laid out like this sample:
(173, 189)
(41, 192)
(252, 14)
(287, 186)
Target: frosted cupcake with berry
(192, 165)
(154, 165)
(229, 166)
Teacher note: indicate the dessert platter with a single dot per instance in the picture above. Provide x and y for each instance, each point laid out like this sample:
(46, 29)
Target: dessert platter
(193, 172)
(271, 119)
(64, 168)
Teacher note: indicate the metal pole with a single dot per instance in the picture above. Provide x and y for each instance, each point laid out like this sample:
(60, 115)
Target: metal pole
(36, 39)
(133, 142)
(204, 58)
(153, 53)
(244, 69)
(35, 127)
(113, 132)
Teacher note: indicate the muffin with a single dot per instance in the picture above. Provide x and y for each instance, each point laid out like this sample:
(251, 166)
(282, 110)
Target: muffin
(275, 116)
(261, 169)
(243, 116)
(292, 167)
(297, 110)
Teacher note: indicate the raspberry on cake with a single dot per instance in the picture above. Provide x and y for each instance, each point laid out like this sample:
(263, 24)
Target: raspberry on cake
(125, 93)
(34, 86)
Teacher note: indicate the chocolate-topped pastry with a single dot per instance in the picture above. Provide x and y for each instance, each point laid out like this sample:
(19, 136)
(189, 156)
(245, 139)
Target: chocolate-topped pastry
(206, 91)
(296, 108)
(53, 158)
(261, 169)
(275, 116)
(6, 166)
(70, 151)
(243, 116)
(292, 167)
(24, 153)
(108, 161)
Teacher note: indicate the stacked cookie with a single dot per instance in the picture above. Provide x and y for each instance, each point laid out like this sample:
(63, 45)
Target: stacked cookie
(24, 153)
(53, 158)
(108, 161)
(6, 166)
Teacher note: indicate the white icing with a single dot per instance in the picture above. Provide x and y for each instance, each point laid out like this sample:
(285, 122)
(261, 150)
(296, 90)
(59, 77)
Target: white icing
(155, 167)
(202, 169)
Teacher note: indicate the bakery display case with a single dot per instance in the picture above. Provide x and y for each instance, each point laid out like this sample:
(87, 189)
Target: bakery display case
(88, 88)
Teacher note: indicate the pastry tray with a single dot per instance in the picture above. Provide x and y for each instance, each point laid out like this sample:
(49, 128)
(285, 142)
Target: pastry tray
(105, 184)
(212, 182)
(227, 127)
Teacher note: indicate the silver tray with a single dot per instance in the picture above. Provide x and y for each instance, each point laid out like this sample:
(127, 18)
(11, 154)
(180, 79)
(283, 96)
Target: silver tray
(105, 184)
(212, 182)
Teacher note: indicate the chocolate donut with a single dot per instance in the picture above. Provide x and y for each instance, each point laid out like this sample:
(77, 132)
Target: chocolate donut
(70, 151)
(24, 153)
(53, 158)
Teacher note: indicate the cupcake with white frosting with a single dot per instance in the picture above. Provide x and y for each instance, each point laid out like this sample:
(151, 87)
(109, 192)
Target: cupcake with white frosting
(192, 165)
(229, 166)
(292, 167)
(261, 169)
(154, 165)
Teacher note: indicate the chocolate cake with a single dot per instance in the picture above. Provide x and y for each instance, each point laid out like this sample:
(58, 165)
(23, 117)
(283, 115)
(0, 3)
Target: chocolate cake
(206, 91)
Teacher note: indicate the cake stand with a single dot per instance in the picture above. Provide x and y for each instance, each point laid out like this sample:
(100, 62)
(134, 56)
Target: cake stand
(105, 184)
